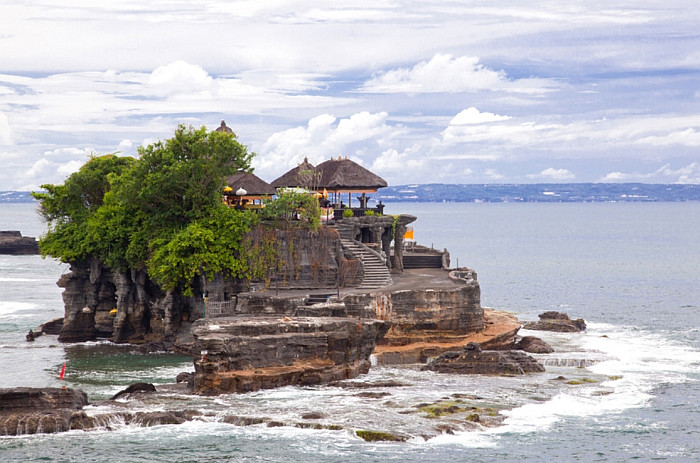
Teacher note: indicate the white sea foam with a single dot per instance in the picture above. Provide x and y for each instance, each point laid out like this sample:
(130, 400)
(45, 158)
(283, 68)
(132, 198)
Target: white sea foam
(630, 364)
(12, 307)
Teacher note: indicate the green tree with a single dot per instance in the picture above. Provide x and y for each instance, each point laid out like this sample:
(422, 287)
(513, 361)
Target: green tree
(162, 211)
(68, 208)
(292, 207)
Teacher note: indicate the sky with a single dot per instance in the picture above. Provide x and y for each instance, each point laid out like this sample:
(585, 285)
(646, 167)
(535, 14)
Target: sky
(486, 91)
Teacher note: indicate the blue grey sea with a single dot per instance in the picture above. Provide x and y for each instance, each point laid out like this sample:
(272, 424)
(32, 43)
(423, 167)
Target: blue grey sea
(631, 270)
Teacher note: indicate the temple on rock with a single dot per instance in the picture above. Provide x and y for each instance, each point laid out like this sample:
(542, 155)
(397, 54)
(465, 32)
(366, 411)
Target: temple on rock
(327, 297)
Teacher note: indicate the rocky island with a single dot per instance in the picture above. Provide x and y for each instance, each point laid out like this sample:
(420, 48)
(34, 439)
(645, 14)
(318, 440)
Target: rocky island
(302, 290)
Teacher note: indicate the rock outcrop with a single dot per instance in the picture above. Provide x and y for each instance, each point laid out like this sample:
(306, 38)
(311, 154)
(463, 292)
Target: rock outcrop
(13, 243)
(243, 354)
(473, 360)
(533, 345)
(34, 410)
(556, 321)
(427, 322)
(53, 410)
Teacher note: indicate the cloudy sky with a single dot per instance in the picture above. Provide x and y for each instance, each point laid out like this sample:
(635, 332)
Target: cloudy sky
(465, 91)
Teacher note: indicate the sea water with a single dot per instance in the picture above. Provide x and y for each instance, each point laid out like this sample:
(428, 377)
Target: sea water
(631, 270)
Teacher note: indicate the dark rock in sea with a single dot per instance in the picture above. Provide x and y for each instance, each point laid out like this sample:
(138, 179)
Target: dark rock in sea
(51, 327)
(26, 410)
(534, 345)
(313, 416)
(134, 389)
(363, 385)
(473, 360)
(13, 243)
(186, 377)
(556, 321)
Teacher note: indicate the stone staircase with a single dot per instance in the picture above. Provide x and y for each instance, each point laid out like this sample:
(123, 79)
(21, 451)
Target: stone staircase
(376, 272)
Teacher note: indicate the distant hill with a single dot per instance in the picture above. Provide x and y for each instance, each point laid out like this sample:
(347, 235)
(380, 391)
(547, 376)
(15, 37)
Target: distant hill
(539, 192)
(497, 193)
(16, 197)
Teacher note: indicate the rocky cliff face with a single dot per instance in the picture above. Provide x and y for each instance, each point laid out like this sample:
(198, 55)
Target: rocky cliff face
(243, 354)
(146, 313)
(424, 322)
(122, 306)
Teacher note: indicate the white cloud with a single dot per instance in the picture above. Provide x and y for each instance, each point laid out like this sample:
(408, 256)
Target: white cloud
(472, 115)
(553, 174)
(5, 133)
(69, 167)
(359, 136)
(492, 174)
(689, 174)
(687, 137)
(179, 77)
(393, 161)
(443, 73)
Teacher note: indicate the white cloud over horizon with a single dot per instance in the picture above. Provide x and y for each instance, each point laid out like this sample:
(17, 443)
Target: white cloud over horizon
(530, 93)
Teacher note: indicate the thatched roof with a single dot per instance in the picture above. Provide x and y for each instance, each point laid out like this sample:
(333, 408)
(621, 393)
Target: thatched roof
(294, 177)
(251, 183)
(344, 174)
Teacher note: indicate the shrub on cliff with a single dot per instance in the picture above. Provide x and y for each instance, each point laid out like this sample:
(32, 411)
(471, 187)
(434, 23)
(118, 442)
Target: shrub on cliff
(161, 211)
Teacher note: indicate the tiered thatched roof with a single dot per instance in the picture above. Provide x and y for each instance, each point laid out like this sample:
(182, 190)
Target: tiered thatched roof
(347, 175)
(333, 175)
(251, 183)
(295, 177)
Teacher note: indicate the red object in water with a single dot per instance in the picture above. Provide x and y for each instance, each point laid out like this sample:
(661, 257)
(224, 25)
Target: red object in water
(63, 370)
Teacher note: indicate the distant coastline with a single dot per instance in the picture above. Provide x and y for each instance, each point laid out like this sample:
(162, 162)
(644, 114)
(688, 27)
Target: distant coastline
(497, 193)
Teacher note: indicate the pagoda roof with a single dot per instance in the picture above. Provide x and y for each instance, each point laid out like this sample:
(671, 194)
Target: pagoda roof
(293, 178)
(344, 174)
(251, 183)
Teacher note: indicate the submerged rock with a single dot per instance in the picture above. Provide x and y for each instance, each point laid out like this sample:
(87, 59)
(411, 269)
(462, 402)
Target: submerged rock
(473, 360)
(134, 389)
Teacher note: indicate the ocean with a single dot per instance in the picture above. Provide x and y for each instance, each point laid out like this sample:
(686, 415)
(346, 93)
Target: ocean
(631, 270)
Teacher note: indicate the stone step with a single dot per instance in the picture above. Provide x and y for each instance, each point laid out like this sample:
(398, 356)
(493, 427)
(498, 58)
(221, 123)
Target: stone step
(375, 270)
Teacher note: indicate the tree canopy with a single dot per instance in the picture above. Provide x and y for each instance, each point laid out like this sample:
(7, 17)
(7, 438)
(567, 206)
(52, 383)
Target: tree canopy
(161, 211)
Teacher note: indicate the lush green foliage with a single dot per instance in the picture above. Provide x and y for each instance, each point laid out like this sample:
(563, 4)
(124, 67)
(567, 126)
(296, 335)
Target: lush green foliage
(294, 207)
(162, 211)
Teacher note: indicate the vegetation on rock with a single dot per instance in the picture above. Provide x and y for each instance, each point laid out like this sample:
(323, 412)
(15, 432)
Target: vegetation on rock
(161, 211)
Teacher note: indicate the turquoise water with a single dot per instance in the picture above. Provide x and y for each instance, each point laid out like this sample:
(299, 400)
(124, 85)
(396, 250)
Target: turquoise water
(631, 270)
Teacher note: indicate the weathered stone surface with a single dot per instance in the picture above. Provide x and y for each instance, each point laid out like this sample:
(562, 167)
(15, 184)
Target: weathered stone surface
(13, 243)
(472, 360)
(38, 410)
(534, 345)
(27, 399)
(51, 327)
(249, 353)
(144, 313)
(556, 321)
